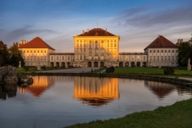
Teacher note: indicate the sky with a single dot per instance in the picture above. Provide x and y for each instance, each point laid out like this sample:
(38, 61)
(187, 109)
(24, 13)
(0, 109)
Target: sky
(137, 22)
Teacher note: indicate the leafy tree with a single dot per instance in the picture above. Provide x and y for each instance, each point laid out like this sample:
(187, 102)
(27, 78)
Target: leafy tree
(15, 56)
(4, 55)
(185, 52)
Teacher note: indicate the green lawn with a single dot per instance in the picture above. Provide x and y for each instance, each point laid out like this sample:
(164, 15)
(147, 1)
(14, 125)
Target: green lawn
(139, 70)
(23, 70)
(178, 115)
(182, 72)
(150, 71)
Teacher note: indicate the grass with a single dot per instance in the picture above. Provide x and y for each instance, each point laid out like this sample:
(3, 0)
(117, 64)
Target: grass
(150, 71)
(139, 70)
(183, 72)
(23, 70)
(178, 115)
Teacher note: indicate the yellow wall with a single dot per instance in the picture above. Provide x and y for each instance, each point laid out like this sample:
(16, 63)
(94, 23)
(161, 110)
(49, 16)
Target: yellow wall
(96, 48)
(36, 56)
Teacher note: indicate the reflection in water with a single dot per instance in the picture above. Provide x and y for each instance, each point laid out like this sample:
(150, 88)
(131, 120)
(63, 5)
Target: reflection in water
(160, 89)
(40, 84)
(7, 91)
(96, 91)
(58, 108)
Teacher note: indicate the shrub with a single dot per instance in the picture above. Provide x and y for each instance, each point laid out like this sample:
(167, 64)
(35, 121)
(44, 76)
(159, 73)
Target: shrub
(43, 67)
(110, 70)
(168, 71)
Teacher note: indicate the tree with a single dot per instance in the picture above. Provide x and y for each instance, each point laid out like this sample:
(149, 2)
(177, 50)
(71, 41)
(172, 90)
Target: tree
(4, 55)
(15, 56)
(184, 53)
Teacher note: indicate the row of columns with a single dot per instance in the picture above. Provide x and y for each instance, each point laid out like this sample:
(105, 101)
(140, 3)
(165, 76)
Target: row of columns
(60, 64)
(132, 64)
(95, 64)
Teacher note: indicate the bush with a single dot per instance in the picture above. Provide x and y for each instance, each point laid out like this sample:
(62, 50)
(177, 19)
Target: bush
(110, 70)
(168, 71)
(43, 67)
(27, 68)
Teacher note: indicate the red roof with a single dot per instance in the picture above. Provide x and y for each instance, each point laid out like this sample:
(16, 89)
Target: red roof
(36, 43)
(97, 32)
(161, 42)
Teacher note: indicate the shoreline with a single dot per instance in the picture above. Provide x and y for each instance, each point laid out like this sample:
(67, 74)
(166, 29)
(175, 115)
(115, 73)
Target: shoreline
(131, 119)
(159, 78)
(176, 115)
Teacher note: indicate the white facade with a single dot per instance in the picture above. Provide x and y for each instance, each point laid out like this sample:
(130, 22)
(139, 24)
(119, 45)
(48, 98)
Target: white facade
(132, 59)
(162, 57)
(99, 48)
(61, 60)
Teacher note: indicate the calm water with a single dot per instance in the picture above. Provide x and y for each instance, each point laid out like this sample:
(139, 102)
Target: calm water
(57, 101)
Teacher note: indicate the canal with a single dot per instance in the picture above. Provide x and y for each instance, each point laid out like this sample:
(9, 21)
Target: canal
(58, 101)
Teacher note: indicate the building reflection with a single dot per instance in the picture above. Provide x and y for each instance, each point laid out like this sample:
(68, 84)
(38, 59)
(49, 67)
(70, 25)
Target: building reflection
(7, 91)
(183, 90)
(160, 89)
(40, 85)
(96, 91)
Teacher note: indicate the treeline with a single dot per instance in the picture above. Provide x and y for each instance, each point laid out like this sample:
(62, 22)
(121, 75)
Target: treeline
(184, 52)
(10, 56)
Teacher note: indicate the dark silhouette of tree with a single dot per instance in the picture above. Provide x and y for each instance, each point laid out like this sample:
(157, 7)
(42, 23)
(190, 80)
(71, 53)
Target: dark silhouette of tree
(15, 56)
(4, 55)
(184, 52)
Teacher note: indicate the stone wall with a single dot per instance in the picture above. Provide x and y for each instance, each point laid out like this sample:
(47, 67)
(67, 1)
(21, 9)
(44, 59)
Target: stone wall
(8, 75)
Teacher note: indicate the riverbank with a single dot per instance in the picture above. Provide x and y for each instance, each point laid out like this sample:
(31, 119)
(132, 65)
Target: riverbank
(159, 78)
(177, 115)
(151, 71)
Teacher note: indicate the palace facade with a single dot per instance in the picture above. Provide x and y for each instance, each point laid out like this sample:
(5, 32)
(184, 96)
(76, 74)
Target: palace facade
(99, 48)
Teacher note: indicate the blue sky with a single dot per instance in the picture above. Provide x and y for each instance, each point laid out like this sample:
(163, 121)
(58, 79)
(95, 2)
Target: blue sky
(137, 22)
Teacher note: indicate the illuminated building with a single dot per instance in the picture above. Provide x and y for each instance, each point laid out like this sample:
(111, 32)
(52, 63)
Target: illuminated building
(36, 52)
(99, 48)
(96, 48)
(132, 59)
(63, 60)
(161, 52)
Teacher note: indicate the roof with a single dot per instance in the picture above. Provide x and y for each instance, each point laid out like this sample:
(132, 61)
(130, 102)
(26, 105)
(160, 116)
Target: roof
(96, 32)
(36, 43)
(61, 53)
(161, 42)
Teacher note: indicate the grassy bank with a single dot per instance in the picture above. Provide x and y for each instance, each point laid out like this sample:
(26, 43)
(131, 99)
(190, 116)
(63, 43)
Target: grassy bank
(24, 70)
(178, 115)
(150, 71)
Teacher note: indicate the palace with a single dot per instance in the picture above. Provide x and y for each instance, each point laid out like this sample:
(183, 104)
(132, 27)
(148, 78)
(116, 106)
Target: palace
(99, 48)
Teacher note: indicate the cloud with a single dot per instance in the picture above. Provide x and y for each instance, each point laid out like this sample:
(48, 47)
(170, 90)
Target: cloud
(145, 17)
(141, 25)
(16, 34)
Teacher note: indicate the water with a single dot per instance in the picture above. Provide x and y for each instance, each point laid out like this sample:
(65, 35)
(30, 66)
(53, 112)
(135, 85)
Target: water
(58, 101)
